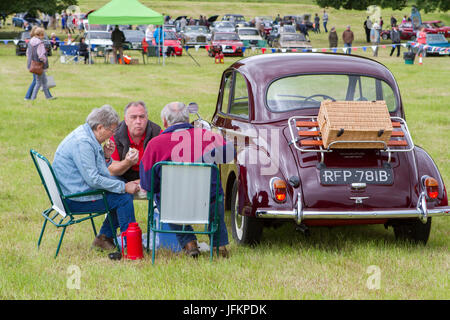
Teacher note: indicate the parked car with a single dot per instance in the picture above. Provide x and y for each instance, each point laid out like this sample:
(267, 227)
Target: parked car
(436, 43)
(99, 38)
(277, 30)
(223, 26)
(133, 39)
(265, 105)
(439, 26)
(195, 35)
(226, 42)
(267, 22)
(292, 41)
(236, 19)
(171, 40)
(250, 37)
(19, 19)
(407, 32)
(22, 43)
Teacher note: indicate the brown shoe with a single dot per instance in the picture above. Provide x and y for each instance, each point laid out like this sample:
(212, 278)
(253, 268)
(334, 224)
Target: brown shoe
(191, 249)
(103, 242)
(223, 252)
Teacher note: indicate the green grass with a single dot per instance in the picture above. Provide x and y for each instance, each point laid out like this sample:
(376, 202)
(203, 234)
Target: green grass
(331, 264)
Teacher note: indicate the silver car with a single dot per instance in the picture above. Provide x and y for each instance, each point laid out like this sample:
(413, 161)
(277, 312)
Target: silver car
(195, 35)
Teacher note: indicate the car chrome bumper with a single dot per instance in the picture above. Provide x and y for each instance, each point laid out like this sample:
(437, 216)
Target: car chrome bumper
(299, 214)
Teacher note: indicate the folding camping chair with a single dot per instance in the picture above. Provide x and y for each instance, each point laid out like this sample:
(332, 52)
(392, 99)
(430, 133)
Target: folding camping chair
(69, 54)
(63, 217)
(190, 183)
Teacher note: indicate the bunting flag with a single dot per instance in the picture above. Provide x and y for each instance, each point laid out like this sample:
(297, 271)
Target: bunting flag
(324, 50)
(207, 47)
(334, 50)
(274, 50)
(186, 48)
(196, 48)
(243, 49)
(263, 50)
(364, 49)
(5, 41)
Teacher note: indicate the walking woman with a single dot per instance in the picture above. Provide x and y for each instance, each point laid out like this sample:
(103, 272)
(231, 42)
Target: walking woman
(33, 83)
(39, 53)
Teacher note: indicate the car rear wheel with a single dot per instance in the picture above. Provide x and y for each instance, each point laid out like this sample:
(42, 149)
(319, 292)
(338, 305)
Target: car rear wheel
(413, 230)
(245, 230)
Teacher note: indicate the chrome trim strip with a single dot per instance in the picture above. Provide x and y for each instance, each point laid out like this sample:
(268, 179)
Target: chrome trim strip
(376, 214)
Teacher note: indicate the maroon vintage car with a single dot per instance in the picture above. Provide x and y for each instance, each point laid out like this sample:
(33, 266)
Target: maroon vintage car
(438, 26)
(226, 42)
(264, 103)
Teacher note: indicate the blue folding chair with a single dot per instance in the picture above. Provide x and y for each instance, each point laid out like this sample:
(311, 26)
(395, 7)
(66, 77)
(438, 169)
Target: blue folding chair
(69, 53)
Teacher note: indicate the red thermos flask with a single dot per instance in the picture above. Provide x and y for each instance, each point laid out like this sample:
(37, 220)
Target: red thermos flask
(134, 242)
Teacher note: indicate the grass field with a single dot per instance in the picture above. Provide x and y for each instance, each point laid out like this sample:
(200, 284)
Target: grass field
(330, 264)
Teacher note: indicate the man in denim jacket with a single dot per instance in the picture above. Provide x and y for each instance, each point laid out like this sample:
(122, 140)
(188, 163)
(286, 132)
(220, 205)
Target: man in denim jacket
(81, 165)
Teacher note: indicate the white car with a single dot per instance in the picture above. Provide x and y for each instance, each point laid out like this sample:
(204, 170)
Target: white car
(99, 38)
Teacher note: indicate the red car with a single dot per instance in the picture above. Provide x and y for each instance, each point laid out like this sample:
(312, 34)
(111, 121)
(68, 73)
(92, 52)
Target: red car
(438, 26)
(407, 32)
(265, 102)
(226, 42)
(171, 40)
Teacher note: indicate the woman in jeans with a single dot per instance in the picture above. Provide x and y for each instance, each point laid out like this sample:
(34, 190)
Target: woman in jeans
(39, 53)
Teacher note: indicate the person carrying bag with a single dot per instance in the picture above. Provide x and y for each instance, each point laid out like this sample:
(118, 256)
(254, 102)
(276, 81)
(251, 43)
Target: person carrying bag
(39, 64)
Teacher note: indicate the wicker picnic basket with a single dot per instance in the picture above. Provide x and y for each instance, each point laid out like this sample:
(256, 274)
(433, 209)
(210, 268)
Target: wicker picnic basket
(354, 121)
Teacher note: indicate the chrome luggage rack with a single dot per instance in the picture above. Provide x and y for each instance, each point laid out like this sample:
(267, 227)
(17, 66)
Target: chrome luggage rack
(401, 139)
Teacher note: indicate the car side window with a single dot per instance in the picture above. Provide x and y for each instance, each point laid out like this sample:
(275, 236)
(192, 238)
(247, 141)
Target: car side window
(226, 92)
(239, 99)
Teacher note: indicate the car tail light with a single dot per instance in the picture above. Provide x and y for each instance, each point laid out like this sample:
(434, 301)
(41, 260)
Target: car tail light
(432, 187)
(279, 189)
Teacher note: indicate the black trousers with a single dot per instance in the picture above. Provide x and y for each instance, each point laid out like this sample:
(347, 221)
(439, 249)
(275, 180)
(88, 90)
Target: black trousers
(397, 45)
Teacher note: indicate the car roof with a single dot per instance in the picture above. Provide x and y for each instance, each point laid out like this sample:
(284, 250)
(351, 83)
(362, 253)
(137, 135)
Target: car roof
(261, 70)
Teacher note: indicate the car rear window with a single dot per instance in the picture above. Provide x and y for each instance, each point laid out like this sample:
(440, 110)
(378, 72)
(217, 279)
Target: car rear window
(308, 91)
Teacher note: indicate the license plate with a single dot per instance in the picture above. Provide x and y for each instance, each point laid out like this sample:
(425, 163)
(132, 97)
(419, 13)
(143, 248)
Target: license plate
(362, 175)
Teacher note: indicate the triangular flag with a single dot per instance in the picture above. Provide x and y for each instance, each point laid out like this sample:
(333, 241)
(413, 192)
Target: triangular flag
(374, 48)
(273, 50)
(344, 50)
(186, 48)
(253, 48)
(16, 42)
(263, 50)
(207, 47)
(314, 50)
(354, 48)
(223, 47)
(234, 48)
(283, 50)
(305, 50)
(294, 50)
(243, 49)
(334, 50)
(364, 48)
(324, 50)
(404, 45)
(197, 47)
(383, 46)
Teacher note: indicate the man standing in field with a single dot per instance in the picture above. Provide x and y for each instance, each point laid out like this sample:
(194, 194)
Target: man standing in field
(117, 38)
(348, 38)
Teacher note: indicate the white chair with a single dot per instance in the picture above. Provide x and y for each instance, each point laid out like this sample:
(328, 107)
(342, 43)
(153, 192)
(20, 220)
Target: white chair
(185, 190)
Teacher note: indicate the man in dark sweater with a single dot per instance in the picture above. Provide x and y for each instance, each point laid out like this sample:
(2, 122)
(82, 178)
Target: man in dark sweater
(117, 38)
(130, 139)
